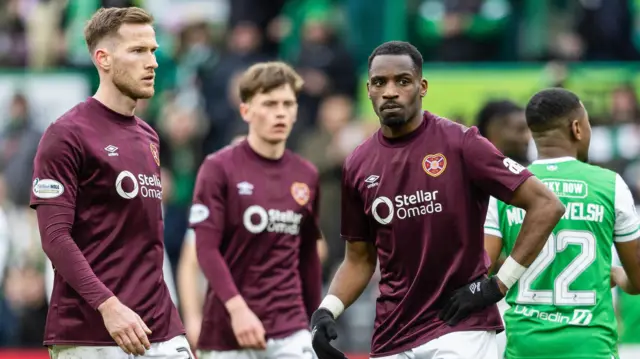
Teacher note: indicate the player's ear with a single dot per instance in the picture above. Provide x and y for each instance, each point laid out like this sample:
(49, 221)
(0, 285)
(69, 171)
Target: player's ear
(368, 93)
(103, 60)
(576, 130)
(424, 86)
(244, 111)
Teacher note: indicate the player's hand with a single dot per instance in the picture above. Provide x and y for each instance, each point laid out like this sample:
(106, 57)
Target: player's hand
(125, 327)
(248, 329)
(474, 296)
(323, 331)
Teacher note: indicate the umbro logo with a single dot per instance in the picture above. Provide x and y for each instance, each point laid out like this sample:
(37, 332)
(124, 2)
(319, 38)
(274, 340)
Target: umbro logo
(474, 287)
(372, 181)
(112, 150)
(245, 188)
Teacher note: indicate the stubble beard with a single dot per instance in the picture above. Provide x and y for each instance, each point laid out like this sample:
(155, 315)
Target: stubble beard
(127, 86)
(393, 121)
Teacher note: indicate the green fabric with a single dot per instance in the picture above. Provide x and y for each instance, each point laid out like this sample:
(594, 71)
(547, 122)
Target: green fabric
(565, 296)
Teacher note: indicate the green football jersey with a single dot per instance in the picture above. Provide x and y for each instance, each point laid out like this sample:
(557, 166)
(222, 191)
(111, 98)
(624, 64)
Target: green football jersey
(562, 306)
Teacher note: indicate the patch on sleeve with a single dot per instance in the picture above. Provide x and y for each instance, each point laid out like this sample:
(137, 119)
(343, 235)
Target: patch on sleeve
(47, 188)
(199, 212)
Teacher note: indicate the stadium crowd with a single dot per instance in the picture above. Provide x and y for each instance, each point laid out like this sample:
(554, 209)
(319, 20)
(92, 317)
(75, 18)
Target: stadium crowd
(206, 44)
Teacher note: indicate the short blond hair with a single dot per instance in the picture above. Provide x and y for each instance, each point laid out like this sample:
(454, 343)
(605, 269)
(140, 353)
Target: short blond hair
(266, 76)
(107, 22)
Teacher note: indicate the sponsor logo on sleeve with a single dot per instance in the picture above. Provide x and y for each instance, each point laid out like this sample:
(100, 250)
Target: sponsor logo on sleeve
(199, 212)
(47, 188)
(434, 164)
(155, 153)
(300, 193)
(513, 166)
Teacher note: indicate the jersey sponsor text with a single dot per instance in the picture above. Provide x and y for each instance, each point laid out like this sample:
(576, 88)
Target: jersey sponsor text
(416, 204)
(272, 220)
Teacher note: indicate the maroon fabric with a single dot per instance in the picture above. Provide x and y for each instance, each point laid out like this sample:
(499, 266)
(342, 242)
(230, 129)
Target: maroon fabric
(104, 167)
(422, 199)
(256, 225)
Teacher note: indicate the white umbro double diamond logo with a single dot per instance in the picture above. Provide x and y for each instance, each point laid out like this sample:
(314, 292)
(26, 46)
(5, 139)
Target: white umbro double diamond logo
(112, 150)
(372, 181)
(474, 287)
(245, 188)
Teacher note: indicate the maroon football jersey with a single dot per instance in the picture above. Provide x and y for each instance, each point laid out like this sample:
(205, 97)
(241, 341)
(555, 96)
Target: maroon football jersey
(256, 229)
(106, 166)
(422, 200)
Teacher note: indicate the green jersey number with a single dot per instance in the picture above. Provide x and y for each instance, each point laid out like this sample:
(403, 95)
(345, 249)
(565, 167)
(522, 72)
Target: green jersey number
(560, 295)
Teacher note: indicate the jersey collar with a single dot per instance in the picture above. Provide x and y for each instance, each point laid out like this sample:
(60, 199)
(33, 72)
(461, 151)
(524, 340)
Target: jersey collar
(553, 160)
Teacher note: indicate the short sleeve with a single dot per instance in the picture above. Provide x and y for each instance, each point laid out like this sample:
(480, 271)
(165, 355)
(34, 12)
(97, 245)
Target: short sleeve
(494, 173)
(627, 226)
(354, 225)
(492, 222)
(56, 168)
(209, 198)
(311, 226)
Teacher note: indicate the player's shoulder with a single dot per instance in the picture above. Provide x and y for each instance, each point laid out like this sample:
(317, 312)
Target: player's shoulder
(221, 157)
(455, 132)
(146, 128)
(596, 173)
(362, 152)
(302, 164)
(70, 124)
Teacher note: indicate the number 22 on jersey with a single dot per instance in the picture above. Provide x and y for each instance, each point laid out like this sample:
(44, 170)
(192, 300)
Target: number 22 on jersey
(560, 295)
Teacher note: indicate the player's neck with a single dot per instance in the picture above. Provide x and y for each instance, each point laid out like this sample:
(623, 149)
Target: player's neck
(265, 149)
(403, 130)
(115, 100)
(549, 152)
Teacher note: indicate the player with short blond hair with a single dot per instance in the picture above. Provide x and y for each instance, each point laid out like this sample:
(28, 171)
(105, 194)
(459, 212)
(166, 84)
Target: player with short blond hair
(97, 192)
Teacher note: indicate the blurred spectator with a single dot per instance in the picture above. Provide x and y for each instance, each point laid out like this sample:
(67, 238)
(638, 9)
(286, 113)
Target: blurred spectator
(46, 40)
(13, 48)
(181, 130)
(503, 123)
(217, 80)
(624, 105)
(464, 30)
(18, 144)
(262, 14)
(325, 66)
(607, 27)
(327, 147)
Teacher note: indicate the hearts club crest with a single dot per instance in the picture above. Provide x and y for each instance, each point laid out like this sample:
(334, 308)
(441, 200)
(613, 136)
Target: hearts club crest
(155, 153)
(300, 193)
(434, 165)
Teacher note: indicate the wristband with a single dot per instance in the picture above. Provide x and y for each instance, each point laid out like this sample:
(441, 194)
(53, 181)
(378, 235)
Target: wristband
(333, 304)
(510, 272)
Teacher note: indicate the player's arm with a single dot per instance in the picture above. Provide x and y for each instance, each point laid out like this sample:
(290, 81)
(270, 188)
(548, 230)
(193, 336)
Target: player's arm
(511, 183)
(56, 170)
(626, 236)
(543, 211)
(503, 178)
(309, 265)
(492, 234)
(207, 218)
(191, 301)
(353, 275)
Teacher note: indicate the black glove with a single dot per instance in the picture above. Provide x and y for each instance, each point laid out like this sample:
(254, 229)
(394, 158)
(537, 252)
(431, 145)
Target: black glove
(474, 296)
(323, 331)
